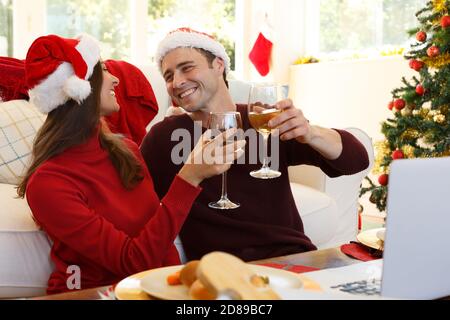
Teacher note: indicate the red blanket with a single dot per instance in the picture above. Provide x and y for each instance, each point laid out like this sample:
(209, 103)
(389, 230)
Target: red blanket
(12, 79)
(138, 105)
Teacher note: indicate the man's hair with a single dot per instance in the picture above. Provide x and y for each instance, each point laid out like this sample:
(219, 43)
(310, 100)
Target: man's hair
(210, 58)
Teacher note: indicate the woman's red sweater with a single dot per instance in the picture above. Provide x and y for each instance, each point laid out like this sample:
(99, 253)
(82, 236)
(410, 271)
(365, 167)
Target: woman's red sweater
(106, 231)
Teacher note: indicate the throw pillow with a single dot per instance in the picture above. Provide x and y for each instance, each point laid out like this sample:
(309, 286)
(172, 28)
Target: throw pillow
(19, 122)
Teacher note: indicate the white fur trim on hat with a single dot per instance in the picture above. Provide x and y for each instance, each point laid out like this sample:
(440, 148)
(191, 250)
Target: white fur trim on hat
(63, 84)
(191, 39)
(76, 88)
(89, 48)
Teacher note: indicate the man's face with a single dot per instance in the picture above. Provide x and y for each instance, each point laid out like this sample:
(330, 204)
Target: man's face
(190, 80)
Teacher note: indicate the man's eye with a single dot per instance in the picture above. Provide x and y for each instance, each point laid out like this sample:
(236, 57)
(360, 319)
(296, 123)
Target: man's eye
(188, 68)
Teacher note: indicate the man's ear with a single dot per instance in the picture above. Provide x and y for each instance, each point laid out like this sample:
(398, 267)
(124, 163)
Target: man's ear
(219, 65)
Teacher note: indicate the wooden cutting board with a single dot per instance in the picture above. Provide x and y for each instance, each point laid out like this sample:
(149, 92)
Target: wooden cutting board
(223, 273)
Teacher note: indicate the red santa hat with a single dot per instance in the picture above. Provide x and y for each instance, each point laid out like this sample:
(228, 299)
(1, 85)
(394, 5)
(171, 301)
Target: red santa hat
(58, 69)
(189, 38)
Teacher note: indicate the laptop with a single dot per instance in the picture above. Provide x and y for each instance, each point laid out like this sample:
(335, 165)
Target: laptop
(416, 259)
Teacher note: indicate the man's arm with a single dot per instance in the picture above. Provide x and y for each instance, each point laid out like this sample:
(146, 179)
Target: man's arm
(336, 152)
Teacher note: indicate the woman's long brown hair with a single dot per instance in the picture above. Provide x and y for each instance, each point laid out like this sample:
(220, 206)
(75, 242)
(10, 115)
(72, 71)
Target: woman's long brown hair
(72, 124)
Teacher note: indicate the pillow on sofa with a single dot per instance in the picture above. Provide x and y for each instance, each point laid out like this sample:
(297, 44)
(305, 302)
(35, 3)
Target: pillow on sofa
(25, 263)
(19, 122)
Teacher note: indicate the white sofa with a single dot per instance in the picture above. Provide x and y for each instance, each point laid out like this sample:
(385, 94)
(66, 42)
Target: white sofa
(328, 207)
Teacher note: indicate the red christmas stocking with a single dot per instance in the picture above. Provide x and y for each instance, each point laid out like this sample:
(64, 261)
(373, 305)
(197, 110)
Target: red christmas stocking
(260, 54)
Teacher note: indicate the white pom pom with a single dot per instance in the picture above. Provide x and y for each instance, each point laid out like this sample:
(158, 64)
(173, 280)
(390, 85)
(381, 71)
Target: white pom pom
(77, 89)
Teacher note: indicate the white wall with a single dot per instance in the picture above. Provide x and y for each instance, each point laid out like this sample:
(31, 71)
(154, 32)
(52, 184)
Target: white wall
(348, 93)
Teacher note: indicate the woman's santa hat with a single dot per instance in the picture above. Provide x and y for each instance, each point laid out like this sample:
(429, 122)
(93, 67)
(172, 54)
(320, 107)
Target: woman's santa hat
(189, 38)
(58, 69)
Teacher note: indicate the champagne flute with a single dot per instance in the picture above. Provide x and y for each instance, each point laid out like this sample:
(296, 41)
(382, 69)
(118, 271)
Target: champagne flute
(261, 109)
(222, 121)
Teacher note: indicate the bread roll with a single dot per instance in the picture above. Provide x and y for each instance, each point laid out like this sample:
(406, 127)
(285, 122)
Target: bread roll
(188, 273)
(198, 291)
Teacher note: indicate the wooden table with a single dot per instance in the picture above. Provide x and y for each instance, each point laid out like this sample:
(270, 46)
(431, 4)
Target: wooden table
(322, 259)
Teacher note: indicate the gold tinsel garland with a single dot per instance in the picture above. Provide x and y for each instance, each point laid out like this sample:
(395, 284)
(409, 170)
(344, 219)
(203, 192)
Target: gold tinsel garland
(382, 150)
(408, 151)
(437, 62)
(306, 60)
(392, 52)
(439, 118)
(439, 5)
(410, 134)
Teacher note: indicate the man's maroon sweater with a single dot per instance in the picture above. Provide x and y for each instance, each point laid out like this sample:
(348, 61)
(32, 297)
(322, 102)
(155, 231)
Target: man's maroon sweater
(267, 223)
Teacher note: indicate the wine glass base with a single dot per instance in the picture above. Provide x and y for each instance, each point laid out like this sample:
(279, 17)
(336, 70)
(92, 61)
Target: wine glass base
(224, 204)
(265, 174)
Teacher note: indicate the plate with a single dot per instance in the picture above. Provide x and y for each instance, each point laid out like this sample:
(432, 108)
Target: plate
(381, 233)
(154, 283)
(373, 238)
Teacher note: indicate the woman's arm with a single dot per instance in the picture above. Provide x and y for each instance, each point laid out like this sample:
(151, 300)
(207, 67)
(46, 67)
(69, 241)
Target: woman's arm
(63, 212)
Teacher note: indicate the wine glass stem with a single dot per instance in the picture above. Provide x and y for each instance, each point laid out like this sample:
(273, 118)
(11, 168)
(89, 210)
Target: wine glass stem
(224, 186)
(265, 147)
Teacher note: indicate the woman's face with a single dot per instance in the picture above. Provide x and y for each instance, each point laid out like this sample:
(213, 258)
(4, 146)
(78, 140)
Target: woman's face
(108, 101)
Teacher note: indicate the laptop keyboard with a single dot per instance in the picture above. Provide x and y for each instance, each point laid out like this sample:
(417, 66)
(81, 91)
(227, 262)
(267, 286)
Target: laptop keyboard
(364, 287)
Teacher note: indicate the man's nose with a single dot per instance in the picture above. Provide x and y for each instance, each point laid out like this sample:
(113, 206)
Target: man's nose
(178, 80)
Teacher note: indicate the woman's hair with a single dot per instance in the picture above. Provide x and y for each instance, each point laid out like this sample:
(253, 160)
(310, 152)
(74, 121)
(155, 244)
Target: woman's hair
(72, 124)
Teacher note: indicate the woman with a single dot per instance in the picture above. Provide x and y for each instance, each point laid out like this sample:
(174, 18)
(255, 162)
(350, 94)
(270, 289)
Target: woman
(89, 189)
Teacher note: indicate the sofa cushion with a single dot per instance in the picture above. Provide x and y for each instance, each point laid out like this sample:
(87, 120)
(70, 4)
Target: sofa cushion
(19, 122)
(25, 264)
(309, 200)
(318, 211)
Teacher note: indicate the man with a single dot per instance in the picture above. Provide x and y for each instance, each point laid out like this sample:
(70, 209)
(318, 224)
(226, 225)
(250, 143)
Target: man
(267, 223)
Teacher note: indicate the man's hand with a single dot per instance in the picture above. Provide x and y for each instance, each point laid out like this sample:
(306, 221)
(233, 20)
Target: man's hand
(291, 123)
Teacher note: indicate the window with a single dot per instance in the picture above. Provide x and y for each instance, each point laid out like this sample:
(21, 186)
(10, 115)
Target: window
(362, 25)
(106, 20)
(216, 17)
(6, 28)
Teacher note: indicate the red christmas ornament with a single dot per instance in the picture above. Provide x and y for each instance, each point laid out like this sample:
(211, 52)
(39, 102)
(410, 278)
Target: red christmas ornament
(420, 90)
(445, 21)
(416, 64)
(383, 179)
(421, 36)
(433, 51)
(397, 154)
(391, 105)
(399, 104)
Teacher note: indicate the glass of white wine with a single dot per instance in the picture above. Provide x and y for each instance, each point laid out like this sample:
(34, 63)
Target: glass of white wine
(220, 122)
(261, 109)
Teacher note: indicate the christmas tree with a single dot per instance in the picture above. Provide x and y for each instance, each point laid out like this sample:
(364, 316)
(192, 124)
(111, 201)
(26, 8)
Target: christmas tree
(420, 126)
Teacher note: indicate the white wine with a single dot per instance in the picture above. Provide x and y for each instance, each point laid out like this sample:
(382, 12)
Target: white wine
(259, 120)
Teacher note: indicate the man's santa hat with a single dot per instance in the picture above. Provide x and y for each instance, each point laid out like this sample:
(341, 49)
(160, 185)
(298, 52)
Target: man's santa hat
(189, 38)
(58, 69)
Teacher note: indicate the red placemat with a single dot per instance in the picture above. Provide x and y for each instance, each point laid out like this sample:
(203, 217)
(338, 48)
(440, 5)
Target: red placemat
(361, 252)
(287, 267)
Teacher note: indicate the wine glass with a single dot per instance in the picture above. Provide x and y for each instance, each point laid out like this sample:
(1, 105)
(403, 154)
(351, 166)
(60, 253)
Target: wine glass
(222, 121)
(261, 109)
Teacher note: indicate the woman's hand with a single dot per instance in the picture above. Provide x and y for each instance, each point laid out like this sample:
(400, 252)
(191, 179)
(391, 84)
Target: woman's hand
(211, 157)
